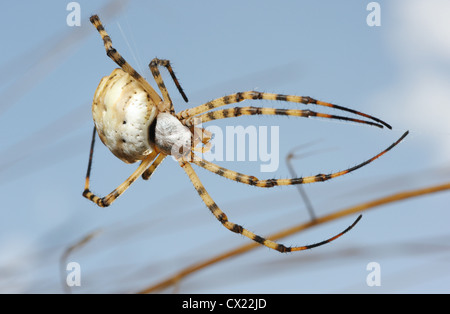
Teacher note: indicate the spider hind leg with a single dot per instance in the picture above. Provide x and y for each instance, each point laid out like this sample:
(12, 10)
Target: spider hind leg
(223, 219)
(111, 197)
(251, 180)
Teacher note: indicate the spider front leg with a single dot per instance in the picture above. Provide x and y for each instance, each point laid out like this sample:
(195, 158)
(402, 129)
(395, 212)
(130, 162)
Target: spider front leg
(251, 180)
(223, 219)
(238, 97)
(241, 111)
(111, 197)
(120, 61)
(154, 64)
(148, 173)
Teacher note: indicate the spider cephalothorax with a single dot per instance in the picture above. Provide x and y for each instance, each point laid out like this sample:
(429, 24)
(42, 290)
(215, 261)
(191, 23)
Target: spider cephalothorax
(136, 124)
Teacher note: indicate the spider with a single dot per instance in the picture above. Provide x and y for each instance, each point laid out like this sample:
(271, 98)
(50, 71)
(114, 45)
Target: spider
(136, 124)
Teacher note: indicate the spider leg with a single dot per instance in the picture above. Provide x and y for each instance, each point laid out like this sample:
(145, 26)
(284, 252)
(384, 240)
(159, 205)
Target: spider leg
(222, 217)
(251, 180)
(241, 111)
(111, 197)
(147, 173)
(154, 64)
(117, 58)
(238, 97)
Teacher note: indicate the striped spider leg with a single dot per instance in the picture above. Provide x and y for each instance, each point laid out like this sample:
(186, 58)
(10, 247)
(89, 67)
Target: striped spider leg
(136, 124)
(268, 183)
(121, 62)
(188, 114)
(111, 197)
(154, 64)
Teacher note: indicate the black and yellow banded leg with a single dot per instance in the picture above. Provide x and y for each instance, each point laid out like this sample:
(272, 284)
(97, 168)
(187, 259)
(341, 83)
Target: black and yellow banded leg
(149, 171)
(154, 64)
(251, 180)
(241, 111)
(111, 197)
(117, 58)
(238, 97)
(222, 217)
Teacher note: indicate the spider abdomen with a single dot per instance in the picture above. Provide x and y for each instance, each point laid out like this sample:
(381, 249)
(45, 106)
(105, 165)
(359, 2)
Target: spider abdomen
(123, 112)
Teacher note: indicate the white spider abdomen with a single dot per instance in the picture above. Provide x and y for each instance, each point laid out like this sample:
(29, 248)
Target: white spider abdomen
(123, 112)
(172, 137)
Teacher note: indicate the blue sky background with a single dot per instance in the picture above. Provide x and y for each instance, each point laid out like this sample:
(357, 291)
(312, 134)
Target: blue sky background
(399, 72)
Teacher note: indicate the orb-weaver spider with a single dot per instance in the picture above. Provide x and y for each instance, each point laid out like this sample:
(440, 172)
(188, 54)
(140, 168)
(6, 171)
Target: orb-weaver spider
(137, 125)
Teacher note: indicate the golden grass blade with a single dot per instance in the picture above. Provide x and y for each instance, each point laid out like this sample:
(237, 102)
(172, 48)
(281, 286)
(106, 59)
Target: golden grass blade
(175, 279)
